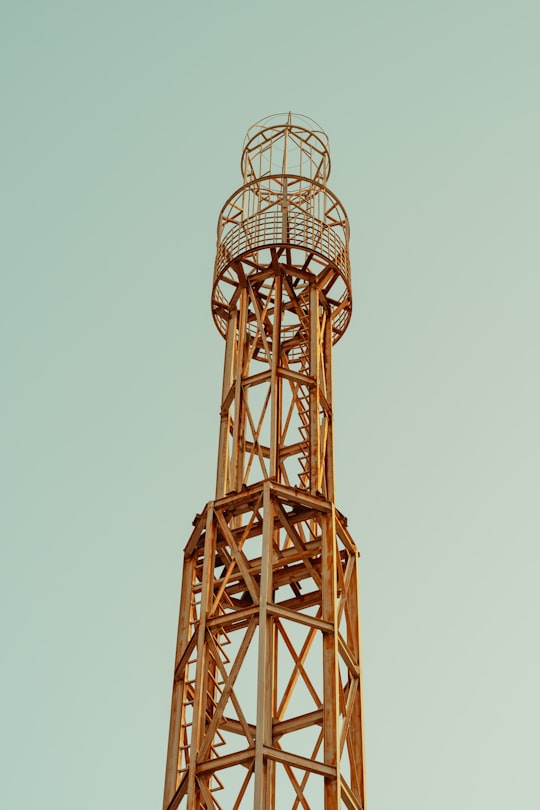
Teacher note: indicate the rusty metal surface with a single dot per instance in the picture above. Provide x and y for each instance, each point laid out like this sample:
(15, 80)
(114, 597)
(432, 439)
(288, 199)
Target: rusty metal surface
(267, 698)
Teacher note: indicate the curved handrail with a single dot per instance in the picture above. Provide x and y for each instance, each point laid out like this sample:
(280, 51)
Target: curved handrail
(300, 193)
(283, 210)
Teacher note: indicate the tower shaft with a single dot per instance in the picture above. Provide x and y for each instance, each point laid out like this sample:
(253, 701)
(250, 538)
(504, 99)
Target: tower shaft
(267, 700)
(276, 417)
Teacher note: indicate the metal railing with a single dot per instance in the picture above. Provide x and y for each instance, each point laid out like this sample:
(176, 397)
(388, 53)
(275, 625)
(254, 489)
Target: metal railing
(272, 227)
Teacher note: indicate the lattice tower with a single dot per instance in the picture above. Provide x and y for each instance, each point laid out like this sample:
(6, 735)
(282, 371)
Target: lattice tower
(267, 698)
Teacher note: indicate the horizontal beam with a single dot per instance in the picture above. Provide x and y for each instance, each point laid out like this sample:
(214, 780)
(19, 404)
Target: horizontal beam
(296, 723)
(311, 765)
(295, 376)
(293, 495)
(235, 727)
(228, 761)
(230, 619)
(302, 618)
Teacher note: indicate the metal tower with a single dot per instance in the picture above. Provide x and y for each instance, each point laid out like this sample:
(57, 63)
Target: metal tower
(267, 698)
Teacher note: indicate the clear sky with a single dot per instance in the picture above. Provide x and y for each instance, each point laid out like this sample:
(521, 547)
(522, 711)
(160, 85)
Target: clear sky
(122, 126)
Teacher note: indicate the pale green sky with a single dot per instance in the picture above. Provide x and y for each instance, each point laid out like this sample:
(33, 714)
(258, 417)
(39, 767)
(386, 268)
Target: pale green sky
(122, 126)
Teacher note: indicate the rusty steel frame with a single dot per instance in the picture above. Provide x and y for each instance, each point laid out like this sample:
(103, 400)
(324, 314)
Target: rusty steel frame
(267, 690)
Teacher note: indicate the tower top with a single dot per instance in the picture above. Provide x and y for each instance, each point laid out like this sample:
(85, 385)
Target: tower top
(286, 143)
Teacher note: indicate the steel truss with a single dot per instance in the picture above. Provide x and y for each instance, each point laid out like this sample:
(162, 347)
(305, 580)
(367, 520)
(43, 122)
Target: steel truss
(267, 697)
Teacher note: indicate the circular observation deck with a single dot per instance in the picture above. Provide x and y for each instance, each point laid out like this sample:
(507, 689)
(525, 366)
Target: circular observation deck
(284, 220)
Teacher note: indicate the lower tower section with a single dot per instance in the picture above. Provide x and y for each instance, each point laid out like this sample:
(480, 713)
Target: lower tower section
(267, 695)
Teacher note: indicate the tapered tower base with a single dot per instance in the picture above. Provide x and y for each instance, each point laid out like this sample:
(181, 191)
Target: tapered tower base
(267, 686)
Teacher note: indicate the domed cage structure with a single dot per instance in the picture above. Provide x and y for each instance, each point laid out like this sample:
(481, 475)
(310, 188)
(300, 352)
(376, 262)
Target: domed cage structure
(301, 149)
(285, 215)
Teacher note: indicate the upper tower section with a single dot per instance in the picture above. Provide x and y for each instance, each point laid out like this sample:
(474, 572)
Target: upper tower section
(291, 144)
(284, 220)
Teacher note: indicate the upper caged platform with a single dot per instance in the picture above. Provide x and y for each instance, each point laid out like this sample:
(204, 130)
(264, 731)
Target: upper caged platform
(284, 219)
